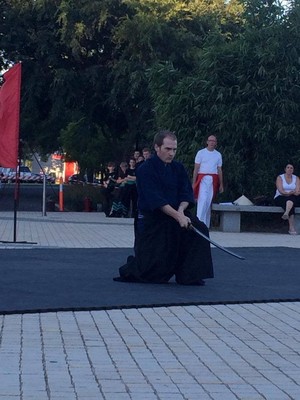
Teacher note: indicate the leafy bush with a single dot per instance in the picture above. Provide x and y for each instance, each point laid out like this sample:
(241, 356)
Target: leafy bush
(74, 196)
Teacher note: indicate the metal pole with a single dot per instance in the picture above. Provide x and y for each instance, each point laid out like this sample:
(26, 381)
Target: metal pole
(17, 196)
(44, 195)
(61, 194)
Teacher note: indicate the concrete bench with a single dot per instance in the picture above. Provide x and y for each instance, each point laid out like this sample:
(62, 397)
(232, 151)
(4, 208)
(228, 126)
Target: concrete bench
(230, 215)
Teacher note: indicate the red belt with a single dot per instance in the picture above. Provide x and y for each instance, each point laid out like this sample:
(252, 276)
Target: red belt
(198, 181)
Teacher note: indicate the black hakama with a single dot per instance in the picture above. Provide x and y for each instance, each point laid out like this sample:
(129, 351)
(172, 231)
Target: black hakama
(164, 249)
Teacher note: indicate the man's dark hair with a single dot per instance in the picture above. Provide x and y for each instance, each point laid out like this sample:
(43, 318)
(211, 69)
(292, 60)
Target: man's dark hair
(161, 135)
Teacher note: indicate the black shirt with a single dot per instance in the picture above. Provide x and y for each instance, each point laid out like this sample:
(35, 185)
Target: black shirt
(159, 184)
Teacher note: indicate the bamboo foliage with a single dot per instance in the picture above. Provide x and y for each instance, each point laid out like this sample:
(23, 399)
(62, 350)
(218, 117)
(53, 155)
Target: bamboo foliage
(247, 92)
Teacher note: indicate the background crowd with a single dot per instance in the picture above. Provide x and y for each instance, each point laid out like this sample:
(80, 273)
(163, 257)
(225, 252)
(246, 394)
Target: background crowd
(119, 186)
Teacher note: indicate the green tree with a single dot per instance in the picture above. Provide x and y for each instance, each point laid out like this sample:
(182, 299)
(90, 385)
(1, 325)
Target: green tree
(156, 32)
(66, 50)
(245, 90)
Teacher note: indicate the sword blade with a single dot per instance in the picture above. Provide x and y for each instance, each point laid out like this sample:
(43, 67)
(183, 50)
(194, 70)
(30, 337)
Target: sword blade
(216, 244)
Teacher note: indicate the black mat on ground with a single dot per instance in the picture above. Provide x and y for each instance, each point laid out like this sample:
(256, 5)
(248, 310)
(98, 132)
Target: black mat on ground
(81, 279)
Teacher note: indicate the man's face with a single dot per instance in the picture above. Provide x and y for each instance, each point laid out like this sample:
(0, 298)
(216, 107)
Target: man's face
(136, 155)
(211, 142)
(166, 152)
(146, 154)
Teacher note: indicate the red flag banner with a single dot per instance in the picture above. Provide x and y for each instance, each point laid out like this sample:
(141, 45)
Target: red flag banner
(10, 94)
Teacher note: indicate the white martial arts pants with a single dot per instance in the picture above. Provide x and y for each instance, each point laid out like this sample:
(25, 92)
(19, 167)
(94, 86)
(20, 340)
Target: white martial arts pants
(204, 201)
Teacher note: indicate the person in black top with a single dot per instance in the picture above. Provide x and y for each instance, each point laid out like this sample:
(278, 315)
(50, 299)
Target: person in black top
(108, 186)
(128, 198)
(125, 201)
(146, 155)
(165, 246)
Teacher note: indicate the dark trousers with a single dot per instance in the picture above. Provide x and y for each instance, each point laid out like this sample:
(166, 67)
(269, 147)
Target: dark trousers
(280, 201)
(164, 249)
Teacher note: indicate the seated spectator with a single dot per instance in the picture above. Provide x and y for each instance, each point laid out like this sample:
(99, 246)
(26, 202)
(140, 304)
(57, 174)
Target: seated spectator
(287, 195)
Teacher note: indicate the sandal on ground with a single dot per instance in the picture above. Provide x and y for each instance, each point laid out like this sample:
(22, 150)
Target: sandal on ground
(292, 232)
(285, 216)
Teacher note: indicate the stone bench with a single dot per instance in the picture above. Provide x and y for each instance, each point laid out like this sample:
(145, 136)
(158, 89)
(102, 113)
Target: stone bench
(230, 215)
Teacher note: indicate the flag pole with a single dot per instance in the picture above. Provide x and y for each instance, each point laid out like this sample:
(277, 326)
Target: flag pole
(17, 198)
(17, 191)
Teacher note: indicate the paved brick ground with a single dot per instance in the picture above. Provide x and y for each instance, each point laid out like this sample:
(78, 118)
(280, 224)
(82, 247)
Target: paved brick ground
(246, 352)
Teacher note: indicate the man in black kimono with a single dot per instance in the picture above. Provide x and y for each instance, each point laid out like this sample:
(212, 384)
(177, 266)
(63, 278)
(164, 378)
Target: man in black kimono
(165, 246)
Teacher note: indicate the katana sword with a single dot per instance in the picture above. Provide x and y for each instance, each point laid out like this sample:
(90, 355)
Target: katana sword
(216, 244)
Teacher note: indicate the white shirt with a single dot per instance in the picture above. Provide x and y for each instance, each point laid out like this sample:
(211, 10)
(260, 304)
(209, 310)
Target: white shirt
(209, 161)
(287, 187)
